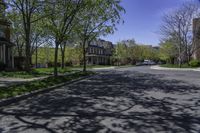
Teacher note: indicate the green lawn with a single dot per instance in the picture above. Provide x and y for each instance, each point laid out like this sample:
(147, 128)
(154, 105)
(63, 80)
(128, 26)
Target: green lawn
(6, 92)
(51, 70)
(92, 66)
(21, 74)
(176, 66)
(40, 72)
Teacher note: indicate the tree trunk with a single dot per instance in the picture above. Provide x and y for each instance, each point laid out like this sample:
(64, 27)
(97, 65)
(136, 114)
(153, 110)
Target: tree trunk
(36, 57)
(84, 57)
(180, 59)
(56, 59)
(189, 60)
(180, 62)
(63, 60)
(19, 52)
(27, 28)
(63, 57)
(28, 56)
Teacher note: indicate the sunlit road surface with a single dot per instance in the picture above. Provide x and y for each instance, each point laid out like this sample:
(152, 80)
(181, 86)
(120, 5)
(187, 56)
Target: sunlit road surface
(127, 100)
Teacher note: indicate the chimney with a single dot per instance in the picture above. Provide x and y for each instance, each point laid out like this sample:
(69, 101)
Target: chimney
(196, 38)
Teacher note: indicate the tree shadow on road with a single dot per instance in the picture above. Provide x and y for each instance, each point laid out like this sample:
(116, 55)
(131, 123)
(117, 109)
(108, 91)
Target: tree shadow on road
(111, 102)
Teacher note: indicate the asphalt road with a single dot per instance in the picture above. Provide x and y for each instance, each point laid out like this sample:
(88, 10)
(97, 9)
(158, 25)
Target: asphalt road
(126, 100)
(190, 77)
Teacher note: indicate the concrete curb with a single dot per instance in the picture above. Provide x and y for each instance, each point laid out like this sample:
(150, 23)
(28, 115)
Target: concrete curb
(7, 101)
(103, 68)
(175, 69)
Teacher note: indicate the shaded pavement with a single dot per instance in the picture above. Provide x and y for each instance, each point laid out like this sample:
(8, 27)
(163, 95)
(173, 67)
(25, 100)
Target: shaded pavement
(116, 101)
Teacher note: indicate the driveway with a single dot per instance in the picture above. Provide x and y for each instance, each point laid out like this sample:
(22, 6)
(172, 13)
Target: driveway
(127, 100)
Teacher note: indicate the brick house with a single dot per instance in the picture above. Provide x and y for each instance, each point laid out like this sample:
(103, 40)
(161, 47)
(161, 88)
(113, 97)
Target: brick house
(6, 54)
(196, 38)
(99, 52)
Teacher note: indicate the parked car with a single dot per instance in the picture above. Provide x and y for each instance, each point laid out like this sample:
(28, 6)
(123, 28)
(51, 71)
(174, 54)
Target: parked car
(145, 62)
(139, 63)
(152, 63)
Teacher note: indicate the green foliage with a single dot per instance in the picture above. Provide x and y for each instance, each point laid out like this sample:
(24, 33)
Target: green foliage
(194, 63)
(130, 53)
(168, 51)
(121, 53)
(39, 72)
(20, 74)
(46, 55)
(176, 66)
(98, 17)
(37, 85)
(50, 70)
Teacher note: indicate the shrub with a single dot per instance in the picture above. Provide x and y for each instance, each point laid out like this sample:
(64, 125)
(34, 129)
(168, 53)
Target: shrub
(2, 66)
(68, 63)
(194, 63)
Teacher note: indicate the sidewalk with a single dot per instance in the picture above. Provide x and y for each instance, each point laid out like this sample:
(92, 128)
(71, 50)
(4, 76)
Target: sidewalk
(6, 82)
(104, 68)
(175, 69)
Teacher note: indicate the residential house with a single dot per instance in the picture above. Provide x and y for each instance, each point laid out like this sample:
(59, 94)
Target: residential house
(99, 52)
(6, 46)
(196, 38)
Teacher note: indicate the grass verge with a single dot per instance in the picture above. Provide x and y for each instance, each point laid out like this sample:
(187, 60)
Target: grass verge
(6, 92)
(41, 72)
(38, 72)
(21, 74)
(51, 70)
(176, 66)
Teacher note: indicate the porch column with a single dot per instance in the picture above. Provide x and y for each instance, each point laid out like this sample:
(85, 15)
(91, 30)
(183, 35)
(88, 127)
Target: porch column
(4, 53)
(12, 58)
(1, 53)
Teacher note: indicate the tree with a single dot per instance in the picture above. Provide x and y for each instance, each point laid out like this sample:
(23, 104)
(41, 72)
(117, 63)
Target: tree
(168, 51)
(178, 25)
(143, 52)
(74, 54)
(60, 22)
(17, 33)
(38, 38)
(26, 10)
(126, 46)
(69, 42)
(99, 17)
(121, 54)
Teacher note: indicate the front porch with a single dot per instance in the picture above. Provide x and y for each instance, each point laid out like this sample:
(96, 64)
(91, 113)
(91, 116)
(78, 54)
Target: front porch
(6, 53)
(98, 60)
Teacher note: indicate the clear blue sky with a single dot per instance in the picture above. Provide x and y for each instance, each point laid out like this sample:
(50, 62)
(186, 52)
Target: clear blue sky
(143, 19)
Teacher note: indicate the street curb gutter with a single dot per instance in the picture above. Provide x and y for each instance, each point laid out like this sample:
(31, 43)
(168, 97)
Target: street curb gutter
(175, 69)
(7, 101)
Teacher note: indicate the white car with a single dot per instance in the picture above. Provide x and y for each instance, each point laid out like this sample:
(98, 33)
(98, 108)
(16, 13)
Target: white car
(148, 62)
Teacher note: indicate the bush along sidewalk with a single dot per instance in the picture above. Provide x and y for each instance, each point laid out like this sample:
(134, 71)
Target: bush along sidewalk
(12, 91)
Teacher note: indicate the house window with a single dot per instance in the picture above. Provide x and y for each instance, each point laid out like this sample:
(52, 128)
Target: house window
(89, 60)
(93, 50)
(90, 51)
(2, 31)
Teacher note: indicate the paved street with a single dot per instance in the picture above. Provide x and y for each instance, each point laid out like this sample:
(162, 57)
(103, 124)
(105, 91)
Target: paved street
(125, 100)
